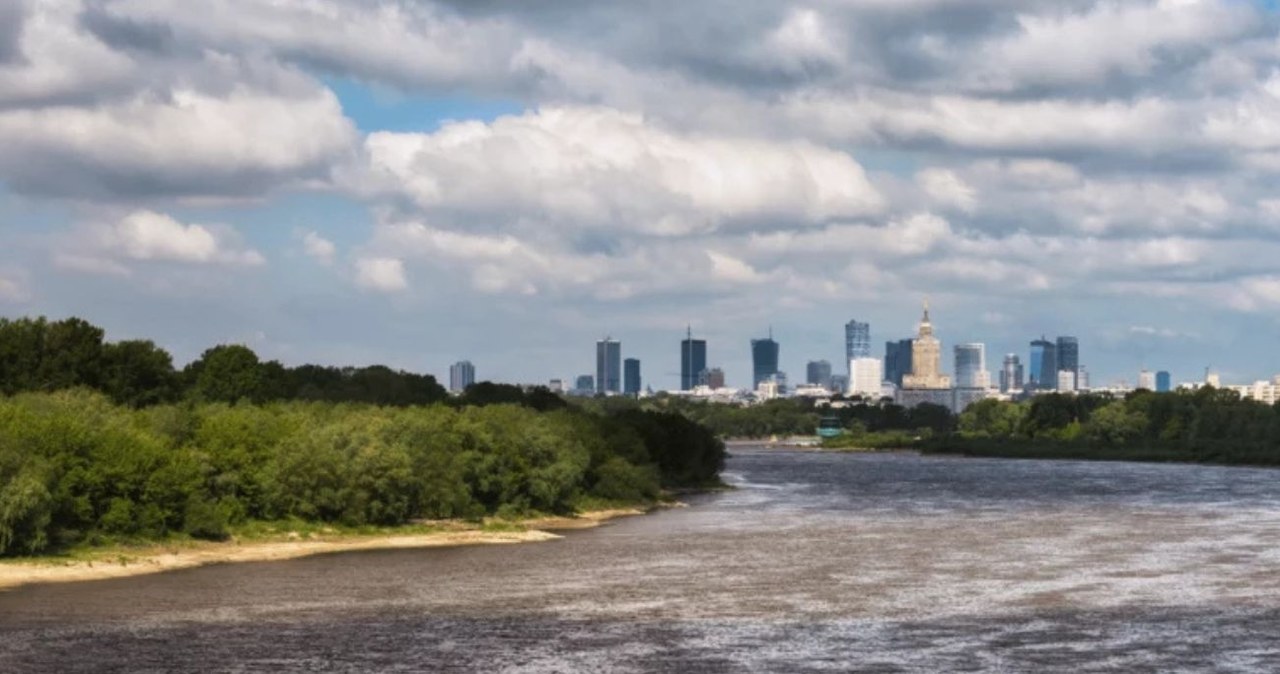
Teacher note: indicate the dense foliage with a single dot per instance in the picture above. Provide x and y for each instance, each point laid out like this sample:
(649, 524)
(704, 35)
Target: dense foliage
(75, 467)
(107, 441)
(1206, 425)
(799, 416)
(41, 355)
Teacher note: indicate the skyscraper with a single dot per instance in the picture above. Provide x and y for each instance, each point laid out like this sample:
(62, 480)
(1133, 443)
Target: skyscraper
(857, 340)
(897, 360)
(1164, 382)
(764, 359)
(713, 378)
(926, 359)
(818, 372)
(631, 376)
(608, 366)
(867, 379)
(461, 375)
(1069, 357)
(1011, 373)
(971, 366)
(1044, 365)
(585, 384)
(1147, 380)
(693, 360)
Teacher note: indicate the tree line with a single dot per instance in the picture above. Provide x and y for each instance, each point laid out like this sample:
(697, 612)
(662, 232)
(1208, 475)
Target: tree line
(41, 355)
(96, 446)
(1205, 425)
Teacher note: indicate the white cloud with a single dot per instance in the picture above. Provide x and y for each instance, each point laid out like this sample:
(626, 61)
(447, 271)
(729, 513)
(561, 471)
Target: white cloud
(147, 236)
(596, 167)
(384, 274)
(188, 142)
(947, 189)
(319, 248)
(13, 289)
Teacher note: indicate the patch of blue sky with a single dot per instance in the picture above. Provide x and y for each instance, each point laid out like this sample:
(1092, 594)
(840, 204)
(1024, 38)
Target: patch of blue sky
(378, 108)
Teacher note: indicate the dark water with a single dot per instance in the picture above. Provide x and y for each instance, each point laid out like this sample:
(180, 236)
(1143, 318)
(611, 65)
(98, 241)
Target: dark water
(878, 563)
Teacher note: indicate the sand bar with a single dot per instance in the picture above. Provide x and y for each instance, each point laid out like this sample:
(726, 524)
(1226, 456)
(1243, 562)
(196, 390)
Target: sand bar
(122, 562)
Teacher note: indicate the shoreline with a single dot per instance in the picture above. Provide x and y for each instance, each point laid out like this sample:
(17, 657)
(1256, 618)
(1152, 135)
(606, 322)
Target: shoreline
(123, 562)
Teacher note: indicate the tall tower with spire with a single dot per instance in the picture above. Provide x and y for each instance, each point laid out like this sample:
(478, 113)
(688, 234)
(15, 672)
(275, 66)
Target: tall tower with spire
(693, 360)
(926, 358)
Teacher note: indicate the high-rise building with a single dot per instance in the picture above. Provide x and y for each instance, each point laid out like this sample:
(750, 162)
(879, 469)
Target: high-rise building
(1147, 380)
(840, 383)
(585, 384)
(971, 366)
(926, 359)
(818, 373)
(1069, 357)
(631, 376)
(1044, 365)
(897, 361)
(608, 366)
(693, 360)
(556, 385)
(1164, 382)
(1011, 373)
(867, 379)
(857, 340)
(461, 375)
(713, 378)
(764, 359)
(1066, 381)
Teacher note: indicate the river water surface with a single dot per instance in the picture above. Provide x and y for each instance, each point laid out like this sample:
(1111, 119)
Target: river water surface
(817, 562)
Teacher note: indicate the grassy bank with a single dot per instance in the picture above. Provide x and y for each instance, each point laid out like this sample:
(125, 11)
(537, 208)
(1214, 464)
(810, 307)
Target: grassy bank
(873, 442)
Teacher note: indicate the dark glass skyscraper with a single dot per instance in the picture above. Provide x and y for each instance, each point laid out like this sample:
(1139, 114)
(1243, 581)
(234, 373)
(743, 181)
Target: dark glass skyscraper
(1164, 382)
(897, 360)
(1069, 356)
(818, 372)
(1044, 365)
(764, 359)
(693, 360)
(631, 376)
(608, 366)
(857, 340)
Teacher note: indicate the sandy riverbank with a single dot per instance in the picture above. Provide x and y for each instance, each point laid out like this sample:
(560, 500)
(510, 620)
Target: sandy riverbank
(136, 561)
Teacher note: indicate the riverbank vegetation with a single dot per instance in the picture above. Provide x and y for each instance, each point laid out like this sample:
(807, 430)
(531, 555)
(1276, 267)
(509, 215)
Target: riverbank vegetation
(103, 443)
(1207, 425)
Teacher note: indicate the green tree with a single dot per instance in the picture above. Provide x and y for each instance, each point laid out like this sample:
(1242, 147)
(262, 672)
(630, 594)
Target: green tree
(226, 373)
(138, 373)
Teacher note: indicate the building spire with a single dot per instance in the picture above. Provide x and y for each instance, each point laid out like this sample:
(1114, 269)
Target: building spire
(926, 310)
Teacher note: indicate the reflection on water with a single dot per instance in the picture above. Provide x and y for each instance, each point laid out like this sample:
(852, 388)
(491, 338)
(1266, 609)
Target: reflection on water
(816, 563)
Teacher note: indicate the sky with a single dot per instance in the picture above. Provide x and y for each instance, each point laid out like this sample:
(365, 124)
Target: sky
(413, 183)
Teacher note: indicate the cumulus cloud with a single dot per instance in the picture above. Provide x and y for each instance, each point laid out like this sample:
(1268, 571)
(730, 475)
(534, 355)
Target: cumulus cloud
(147, 236)
(947, 189)
(598, 167)
(384, 274)
(319, 248)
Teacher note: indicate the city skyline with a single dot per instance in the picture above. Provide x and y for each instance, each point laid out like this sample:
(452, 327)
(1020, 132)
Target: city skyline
(487, 171)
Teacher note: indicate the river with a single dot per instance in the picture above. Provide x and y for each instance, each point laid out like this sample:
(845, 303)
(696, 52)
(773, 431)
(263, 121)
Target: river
(816, 562)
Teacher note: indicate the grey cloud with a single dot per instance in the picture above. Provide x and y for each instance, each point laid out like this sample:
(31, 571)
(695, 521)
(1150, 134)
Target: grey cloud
(12, 17)
(127, 34)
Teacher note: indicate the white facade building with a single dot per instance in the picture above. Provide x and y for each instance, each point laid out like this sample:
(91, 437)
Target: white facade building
(1066, 381)
(866, 377)
(1147, 380)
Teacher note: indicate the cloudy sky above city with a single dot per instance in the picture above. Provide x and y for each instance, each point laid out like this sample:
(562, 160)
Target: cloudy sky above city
(413, 183)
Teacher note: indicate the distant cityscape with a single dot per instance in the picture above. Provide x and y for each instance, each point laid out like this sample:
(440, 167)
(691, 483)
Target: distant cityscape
(909, 373)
